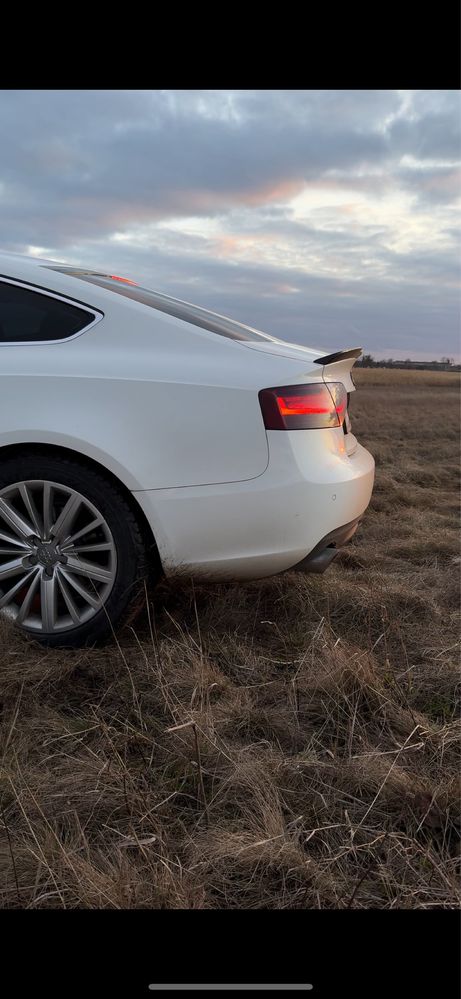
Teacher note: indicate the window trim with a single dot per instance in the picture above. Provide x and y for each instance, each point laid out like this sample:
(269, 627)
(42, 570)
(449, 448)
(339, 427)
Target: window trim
(28, 286)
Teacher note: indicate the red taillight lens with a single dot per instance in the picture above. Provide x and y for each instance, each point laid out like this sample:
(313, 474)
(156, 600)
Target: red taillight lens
(304, 407)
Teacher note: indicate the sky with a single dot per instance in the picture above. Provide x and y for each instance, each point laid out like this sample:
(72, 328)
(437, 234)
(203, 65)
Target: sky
(329, 218)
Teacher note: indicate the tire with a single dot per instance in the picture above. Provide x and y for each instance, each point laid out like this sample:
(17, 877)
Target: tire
(61, 603)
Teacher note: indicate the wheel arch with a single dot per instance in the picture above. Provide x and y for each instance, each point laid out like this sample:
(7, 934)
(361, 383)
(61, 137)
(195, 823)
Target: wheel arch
(56, 450)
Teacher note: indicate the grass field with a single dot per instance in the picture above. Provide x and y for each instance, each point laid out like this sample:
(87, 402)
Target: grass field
(289, 743)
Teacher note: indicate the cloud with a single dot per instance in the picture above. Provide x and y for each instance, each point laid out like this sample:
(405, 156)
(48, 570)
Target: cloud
(348, 197)
(429, 136)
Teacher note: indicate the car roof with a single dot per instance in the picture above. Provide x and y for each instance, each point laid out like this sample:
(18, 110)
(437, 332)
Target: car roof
(60, 278)
(25, 258)
(55, 276)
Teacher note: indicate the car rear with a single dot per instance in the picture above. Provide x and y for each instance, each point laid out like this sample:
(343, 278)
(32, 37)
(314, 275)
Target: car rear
(279, 479)
(308, 425)
(305, 504)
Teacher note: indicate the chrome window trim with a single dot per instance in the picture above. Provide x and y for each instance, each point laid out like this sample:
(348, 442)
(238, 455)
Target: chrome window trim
(28, 286)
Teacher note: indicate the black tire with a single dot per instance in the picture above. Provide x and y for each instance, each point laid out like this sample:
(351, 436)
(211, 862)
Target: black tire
(137, 558)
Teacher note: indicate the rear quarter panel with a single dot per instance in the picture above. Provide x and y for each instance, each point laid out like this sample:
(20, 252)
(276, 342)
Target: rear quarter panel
(159, 403)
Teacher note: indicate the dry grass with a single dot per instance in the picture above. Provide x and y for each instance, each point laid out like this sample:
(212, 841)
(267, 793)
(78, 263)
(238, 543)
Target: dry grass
(290, 743)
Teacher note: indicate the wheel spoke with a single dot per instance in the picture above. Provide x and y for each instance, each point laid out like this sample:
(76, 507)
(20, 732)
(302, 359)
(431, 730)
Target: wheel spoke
(48, 595)
(29, 504)
(7, 597)
(12, 568)
(68, 598)
(97, 522)
(60, 529)
(19, 525)
(13, 540)
(88, 569)
(99, 546)
(47, 509)
(25, 606)
(90, 598)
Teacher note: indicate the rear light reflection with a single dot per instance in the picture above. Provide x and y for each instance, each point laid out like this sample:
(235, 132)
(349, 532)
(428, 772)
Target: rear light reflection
(304, 407)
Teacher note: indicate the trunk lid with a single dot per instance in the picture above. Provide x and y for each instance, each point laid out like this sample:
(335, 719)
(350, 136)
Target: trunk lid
(311, 364)
(279, 348)
(336, 367)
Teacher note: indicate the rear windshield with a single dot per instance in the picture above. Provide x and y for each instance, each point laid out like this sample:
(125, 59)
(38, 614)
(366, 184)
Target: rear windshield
(163, 303)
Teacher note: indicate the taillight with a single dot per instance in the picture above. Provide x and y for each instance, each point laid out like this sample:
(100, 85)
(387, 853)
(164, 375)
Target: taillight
(304, 407)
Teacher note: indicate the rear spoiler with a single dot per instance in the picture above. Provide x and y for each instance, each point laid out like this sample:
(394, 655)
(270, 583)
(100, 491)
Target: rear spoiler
(340, 355)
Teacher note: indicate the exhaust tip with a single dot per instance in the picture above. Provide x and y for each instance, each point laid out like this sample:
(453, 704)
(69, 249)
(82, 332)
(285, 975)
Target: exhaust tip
(327, 549)
(318, 562)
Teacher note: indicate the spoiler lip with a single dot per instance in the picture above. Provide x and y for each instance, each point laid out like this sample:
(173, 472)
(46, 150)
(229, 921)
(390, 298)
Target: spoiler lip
(339, 355)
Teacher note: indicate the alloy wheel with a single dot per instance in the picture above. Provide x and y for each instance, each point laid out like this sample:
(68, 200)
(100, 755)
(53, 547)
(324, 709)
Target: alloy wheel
(58, 559)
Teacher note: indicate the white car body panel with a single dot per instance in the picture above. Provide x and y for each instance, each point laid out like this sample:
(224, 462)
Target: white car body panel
(172, 411)
(253, 529)
(133, 421)
(340, 371)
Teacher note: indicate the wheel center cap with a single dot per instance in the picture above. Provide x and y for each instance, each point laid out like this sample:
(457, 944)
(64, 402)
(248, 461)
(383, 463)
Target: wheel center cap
(47, 554)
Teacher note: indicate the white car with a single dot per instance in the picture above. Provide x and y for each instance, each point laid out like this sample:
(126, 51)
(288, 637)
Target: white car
(140, 434)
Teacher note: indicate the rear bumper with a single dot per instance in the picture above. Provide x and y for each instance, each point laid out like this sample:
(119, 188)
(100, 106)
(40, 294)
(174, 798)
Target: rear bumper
(247, 530)
(327, 549)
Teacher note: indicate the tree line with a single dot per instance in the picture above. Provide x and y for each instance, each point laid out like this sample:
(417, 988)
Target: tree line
(445, 363)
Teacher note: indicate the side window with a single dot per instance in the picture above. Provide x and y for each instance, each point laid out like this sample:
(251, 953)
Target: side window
(27, 315)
